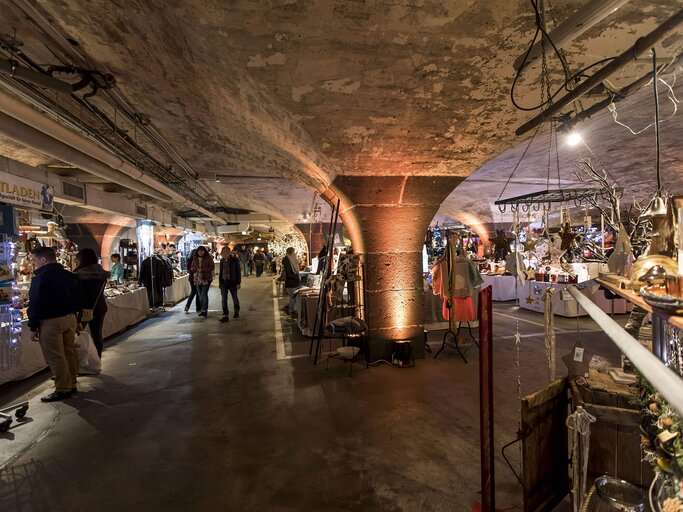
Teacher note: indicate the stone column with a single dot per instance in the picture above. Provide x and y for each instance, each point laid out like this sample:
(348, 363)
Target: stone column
(387, 217)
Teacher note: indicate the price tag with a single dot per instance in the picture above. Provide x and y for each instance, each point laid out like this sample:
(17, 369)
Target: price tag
(578, 354)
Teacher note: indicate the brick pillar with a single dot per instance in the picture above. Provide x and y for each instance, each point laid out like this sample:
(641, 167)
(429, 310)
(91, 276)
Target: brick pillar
(388, 217)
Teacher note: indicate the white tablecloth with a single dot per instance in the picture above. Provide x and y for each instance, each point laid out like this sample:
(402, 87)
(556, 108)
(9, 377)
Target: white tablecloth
(503, 287)
(123, 311)
(177, 291)
(530, 297)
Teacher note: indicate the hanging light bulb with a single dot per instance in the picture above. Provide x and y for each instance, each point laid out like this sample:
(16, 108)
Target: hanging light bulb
(573, 138)
(217, 178)
(658, 205)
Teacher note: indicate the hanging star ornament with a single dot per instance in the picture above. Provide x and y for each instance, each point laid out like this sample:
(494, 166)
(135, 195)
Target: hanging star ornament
(577, 361)
(530, 300)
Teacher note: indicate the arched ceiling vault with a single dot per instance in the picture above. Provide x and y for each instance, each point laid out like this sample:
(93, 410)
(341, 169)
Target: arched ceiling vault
(305, 90)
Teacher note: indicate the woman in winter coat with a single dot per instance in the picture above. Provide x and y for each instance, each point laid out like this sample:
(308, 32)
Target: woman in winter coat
(92, 280)
(203, 269)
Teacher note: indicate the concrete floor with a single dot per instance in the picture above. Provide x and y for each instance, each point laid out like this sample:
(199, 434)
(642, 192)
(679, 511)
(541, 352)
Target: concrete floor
(192, 414)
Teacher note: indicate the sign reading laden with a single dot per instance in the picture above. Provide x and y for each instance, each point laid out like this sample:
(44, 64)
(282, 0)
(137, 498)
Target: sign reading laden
(24, 192)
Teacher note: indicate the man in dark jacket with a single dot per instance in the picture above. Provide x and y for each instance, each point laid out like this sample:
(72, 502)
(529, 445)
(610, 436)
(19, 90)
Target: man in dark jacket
(53, 305)
(230, 280)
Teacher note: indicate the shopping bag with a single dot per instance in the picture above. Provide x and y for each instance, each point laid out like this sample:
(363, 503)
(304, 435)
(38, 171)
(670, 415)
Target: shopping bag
(89, 362)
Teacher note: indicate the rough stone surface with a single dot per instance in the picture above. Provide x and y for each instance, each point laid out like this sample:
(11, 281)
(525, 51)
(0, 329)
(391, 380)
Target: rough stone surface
(391, 271)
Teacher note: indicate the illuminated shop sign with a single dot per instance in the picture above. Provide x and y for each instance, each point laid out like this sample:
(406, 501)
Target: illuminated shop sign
(24, 192)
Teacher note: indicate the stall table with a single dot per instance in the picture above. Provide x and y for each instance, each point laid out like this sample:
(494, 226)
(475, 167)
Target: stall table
(503, 287)
(530, 297)
(123, 311)
(179, 290)
(306, 305)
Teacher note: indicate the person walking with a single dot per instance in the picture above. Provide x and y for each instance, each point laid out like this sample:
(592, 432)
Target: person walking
(230, 280)
(92, 278)
(244, 260)
(203, 269)
(259, 262)
(290, 269)
(193, 287)
(53, 305)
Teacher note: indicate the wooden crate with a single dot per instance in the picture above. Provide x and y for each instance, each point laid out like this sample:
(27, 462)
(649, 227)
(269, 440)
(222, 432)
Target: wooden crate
(615, 436)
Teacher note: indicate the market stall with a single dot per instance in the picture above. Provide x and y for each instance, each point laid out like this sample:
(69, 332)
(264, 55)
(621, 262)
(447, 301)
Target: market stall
(178, 291)
(503, 287)
(123, 310)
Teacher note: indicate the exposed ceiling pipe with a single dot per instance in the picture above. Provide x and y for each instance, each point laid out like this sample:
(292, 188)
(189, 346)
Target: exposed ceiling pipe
(12, 69)
(29, 136)
(623, 93)
(571, 28)
(35, 119)
(641, 45)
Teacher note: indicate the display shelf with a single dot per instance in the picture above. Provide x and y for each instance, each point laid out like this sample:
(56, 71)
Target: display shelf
(635, 298)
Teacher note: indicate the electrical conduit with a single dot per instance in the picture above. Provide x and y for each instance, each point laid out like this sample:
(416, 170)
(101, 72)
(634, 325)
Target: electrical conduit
(110, 166)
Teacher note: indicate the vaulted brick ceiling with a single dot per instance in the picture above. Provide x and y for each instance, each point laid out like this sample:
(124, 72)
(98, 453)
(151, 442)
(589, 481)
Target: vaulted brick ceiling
(310, 89)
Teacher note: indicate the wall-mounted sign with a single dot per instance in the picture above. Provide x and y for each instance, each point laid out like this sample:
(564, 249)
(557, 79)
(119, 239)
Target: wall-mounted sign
(26, 193)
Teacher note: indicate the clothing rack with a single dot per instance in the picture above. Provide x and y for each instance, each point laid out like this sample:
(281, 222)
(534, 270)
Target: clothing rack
(450, 337)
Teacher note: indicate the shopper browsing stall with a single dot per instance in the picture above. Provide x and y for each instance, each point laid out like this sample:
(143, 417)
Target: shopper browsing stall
(53, 304)
(203, 269)
(230, 280)
(92, 278)
(290, 271)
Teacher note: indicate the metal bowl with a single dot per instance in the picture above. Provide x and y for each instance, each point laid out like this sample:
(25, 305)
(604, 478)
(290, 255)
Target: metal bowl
(619, 494)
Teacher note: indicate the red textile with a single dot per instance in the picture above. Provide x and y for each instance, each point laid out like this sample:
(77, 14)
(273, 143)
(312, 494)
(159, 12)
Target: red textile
(463, 309)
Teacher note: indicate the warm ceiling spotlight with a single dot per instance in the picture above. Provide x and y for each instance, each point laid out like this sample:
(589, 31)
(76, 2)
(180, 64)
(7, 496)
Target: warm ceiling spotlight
(258, 239)
(573, 138)
(217, 178)
(244, 232)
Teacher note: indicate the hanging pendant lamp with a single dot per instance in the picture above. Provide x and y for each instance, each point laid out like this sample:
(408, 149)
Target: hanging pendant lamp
(657, 207)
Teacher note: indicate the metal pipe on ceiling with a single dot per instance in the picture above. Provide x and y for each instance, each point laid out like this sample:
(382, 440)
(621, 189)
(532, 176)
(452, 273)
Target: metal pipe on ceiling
(35, 139)
(571, 28)
(623, 93)
(641, 45)
(25, 114)
(12, 69)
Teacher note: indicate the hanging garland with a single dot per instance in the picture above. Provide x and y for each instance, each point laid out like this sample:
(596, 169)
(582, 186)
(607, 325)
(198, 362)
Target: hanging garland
(292, 239)
(661, 428)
